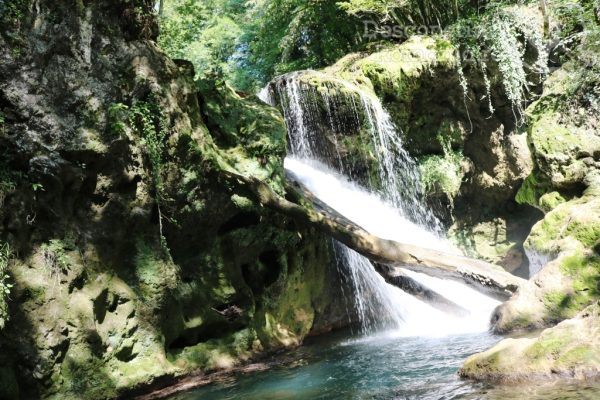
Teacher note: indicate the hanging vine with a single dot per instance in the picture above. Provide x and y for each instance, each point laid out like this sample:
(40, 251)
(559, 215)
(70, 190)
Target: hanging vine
(503, 36)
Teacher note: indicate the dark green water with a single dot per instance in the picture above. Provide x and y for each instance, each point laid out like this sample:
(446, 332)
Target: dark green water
(338, 367)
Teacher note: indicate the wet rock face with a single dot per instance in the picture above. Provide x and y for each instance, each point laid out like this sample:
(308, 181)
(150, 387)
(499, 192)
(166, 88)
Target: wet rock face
(566, 237)
(129, 249)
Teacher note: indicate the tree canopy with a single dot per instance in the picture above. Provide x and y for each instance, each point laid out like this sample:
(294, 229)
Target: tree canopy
(251, 41)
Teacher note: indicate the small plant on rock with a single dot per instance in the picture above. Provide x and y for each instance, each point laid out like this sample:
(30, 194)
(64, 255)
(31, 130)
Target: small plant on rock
(6, 255)
(56, 260)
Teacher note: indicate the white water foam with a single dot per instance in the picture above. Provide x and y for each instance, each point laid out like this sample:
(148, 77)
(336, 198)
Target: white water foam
(386, 308)
(366, 209)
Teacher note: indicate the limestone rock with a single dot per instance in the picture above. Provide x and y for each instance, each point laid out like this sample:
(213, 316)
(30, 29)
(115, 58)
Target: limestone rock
(571, 350)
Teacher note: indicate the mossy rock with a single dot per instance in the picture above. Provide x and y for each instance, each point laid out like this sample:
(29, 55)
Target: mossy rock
(569, 282)
(492, 241)
(571, 350)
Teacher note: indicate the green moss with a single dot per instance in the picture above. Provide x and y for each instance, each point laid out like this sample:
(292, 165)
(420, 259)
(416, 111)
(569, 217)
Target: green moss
(251, 136)
(530, 191)
(217, 353)
(578, 355)
(154, 273)
(551, 137)
(550, 201)
(442, 174)
(522, 322)
(575, 220)
(548, 345)
(561, 306)
(584, 272)
(85, 377)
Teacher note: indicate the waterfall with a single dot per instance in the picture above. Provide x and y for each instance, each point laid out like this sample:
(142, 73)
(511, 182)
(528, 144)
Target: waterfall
(392, 208)
(381, 306)
(348, 107)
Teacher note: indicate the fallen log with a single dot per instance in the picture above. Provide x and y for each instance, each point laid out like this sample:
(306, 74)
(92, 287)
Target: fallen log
(484, 277)
(395, 277)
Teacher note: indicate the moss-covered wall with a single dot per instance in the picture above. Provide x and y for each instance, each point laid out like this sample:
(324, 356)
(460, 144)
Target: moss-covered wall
(565, 185)
(471, 163)
(134, 261)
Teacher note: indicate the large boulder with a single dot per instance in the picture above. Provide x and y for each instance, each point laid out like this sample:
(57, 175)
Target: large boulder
(570, 350)
(566, 243)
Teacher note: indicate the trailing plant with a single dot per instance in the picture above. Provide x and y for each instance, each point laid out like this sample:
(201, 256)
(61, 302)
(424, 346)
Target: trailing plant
(442, 173)
(56, 260)
(117, 116)
(150, 123)
(6, 256)
(503, 36)
(424, 12)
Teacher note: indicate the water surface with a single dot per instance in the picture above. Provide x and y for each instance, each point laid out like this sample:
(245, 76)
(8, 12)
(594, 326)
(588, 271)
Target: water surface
(382, 367)
(342, 367)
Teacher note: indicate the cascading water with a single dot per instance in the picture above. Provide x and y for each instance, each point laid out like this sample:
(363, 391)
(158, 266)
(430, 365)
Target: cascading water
(379, 305)
(392, 209)
(397, 172)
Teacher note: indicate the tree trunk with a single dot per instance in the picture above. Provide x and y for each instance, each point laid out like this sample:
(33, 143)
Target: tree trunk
(544, 10)
(487, 278)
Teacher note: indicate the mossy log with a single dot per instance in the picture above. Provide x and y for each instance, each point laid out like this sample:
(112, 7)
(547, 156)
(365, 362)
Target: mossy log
(484, 277)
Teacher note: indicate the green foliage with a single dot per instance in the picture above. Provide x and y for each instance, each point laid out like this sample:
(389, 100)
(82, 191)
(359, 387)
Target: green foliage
(117, 115)
(7, 185)
(6, 255)
(421, 12)
(56, 259)
(579, 23)
(150, 123)
(13, 12)
(503, 36)
(249, 42)
(442, 173)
